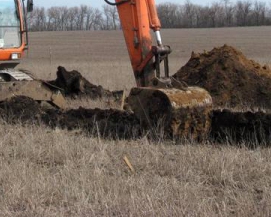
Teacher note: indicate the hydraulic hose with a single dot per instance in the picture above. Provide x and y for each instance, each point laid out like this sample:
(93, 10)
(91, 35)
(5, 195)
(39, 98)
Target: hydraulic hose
(116, 4)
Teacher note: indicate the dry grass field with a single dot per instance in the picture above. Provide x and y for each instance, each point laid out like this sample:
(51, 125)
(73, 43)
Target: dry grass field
(47, 172)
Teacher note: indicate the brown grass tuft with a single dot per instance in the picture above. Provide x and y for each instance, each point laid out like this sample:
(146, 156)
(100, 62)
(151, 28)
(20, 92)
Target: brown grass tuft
(60, 173)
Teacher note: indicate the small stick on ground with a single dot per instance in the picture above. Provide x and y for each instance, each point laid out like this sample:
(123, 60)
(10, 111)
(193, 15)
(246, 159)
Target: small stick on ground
(128, 163)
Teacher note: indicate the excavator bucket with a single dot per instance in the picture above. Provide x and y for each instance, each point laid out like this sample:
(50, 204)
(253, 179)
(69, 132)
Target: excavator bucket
(17, 83)
(174, 112)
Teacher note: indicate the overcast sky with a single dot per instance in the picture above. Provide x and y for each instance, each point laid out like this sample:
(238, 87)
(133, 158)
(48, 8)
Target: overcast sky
(99, 3)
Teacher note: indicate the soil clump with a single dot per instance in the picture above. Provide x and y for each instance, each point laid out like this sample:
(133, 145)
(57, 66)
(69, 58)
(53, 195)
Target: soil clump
(231, 79)
(73, 84)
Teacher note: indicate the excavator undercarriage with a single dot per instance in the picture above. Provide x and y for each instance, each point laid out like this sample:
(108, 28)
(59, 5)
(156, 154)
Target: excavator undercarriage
(18, 83)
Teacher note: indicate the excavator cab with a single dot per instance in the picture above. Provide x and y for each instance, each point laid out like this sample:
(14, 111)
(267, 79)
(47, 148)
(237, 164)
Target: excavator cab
(13, 43)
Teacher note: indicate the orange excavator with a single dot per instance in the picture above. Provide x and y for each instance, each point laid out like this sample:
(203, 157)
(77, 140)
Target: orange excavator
(159, 100)
(13, 43)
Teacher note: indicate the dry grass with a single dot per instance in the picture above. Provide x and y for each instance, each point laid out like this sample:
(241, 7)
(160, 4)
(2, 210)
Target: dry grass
(48, 172)
(58, 173)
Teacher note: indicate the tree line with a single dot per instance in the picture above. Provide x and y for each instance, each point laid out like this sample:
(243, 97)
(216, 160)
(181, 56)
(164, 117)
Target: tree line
(83, 17)
(187, 15)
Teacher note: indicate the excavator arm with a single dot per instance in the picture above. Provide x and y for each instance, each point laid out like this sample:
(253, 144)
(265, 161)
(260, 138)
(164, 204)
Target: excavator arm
(161, 103)
(138, 18)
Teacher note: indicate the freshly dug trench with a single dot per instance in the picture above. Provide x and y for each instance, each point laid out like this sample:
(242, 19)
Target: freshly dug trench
(234, 127)
(238, 127)
(20, 109)
(109, 123)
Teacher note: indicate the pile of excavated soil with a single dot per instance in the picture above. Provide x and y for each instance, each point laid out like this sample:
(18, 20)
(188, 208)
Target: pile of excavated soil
(108, 123)
(231, 78)
(73, 84)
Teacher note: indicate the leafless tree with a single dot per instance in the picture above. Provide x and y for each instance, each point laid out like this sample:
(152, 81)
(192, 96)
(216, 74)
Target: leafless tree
(189, 14)
(37, 19)
(243, 10)
(111, 17)
(94, 19)
(259, 13)
(229, 13)
(71, 17)
(169, 14)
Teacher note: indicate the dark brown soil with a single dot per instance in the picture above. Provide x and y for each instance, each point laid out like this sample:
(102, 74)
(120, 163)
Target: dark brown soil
(240, 127)
(232, 127)
(231, 78)
(20, 109)
(108, 123)
(73, 84)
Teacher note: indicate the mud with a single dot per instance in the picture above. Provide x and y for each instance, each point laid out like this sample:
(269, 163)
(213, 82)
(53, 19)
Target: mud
(73, 84)
(232, 79)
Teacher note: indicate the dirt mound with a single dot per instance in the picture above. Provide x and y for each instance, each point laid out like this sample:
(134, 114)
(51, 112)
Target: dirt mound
(73, 84)
(231, 78)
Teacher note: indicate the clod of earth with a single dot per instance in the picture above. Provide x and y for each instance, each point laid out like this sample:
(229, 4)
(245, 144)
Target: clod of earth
(74, 85)
(230, 78)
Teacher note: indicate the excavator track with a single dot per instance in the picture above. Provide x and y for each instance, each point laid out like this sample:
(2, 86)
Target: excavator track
(173, 112)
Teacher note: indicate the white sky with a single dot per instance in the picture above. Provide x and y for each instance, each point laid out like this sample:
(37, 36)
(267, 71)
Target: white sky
(99, 3)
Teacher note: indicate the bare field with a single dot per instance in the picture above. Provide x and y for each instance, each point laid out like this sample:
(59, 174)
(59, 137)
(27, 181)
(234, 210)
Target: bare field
(47, 172)
(103, 59)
